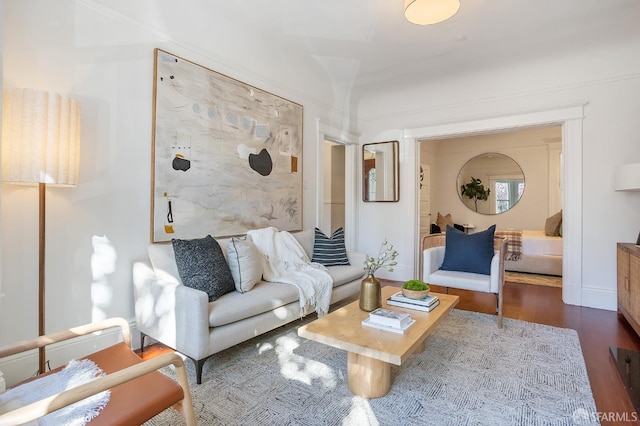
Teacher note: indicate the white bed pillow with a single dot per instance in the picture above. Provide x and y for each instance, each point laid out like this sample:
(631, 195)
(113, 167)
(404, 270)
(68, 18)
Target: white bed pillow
(245, 262)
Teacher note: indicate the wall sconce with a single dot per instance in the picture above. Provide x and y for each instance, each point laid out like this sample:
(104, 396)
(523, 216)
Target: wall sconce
(627, 177)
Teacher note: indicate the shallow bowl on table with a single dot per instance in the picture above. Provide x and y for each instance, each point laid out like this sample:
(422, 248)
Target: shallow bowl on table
(415, 294)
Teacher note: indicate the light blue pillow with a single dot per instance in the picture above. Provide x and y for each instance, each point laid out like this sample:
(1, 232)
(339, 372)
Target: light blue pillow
(245, 263)
(468, 253)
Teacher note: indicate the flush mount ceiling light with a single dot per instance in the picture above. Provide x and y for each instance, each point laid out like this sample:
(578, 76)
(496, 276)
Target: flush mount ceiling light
(427, 12)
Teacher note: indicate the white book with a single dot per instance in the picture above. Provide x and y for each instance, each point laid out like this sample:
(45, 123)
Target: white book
(389, 318)
(367, 323)
(427, 301)
(413, 305)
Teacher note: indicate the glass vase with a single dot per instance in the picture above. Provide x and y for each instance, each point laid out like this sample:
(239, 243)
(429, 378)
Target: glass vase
(370, 294)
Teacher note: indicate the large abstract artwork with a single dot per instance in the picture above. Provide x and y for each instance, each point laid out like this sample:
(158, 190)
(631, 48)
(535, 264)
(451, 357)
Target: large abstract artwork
(226, 155)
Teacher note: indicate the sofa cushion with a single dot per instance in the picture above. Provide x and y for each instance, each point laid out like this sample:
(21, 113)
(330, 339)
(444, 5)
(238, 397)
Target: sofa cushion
(343, 274)
(468, 253)
(305, 238)
(245, 263)
(265, 296)
(330, 251)
(202, 266)
(462, 280)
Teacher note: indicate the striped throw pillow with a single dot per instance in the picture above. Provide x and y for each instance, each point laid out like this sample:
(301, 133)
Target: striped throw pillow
(330, 251)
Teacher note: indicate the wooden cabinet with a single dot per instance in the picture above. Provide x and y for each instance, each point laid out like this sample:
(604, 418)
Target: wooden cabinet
(629, 283)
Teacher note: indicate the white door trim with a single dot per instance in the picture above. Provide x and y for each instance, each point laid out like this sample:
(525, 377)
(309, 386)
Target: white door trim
(350, 140)
(570, 117)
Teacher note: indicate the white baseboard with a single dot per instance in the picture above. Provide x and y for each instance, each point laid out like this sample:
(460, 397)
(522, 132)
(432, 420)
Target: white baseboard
(19, 367)
(599, 298)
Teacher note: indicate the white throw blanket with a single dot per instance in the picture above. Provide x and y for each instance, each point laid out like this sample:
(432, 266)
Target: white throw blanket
(284, 260)
(74, 374)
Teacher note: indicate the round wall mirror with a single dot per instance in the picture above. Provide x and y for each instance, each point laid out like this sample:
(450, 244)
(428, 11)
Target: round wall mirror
(490, 183)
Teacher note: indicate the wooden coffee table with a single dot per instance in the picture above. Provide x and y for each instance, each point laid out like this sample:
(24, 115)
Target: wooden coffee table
(370, 352)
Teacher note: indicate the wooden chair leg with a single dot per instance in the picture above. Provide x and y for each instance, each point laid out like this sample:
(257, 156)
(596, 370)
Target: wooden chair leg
(186, 405)
(499, 308)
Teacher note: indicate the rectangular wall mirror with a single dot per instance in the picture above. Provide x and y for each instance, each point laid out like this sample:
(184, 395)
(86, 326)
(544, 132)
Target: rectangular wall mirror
(381, 177)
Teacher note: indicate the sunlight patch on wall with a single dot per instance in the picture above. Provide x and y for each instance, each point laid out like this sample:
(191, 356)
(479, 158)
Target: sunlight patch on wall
(103, 264)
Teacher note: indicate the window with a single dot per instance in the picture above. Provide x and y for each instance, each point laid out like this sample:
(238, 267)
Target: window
(508, 192)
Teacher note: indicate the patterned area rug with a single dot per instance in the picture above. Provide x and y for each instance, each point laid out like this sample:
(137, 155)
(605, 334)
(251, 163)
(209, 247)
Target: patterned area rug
(534, 279)
(471, 373)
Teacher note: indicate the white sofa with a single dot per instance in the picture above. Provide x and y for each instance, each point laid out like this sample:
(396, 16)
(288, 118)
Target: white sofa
(183, 318)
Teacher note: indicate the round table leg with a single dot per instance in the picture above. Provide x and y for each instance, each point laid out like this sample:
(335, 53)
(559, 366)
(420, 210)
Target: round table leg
(368, 377)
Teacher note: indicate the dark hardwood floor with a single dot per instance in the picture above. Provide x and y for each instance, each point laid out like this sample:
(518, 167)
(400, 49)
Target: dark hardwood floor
(597, 329)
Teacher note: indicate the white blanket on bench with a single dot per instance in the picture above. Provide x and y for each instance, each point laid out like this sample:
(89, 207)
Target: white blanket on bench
(76, 373)
(284, 260)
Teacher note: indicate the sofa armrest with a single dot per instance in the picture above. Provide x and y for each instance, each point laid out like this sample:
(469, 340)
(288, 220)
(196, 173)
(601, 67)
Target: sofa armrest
(432, 259)
(171, 313)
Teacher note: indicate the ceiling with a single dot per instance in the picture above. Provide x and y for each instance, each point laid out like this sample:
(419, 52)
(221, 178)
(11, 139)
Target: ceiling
(363, 44)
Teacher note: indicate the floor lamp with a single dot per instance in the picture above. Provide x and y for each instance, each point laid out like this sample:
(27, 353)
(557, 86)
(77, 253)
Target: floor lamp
(40, 145)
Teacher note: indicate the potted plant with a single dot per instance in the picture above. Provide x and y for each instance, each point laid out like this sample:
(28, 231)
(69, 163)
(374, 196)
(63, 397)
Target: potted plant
(475, 191)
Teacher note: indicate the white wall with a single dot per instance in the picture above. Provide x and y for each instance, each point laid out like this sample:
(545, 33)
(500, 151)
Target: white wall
(96, 230)
(607, 79)
(2, 380)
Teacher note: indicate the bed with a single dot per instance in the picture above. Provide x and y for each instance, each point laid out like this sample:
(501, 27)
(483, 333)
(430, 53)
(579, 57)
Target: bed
(540, 254)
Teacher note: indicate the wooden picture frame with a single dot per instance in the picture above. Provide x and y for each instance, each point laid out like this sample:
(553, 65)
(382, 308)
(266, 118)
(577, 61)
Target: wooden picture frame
(226, 156)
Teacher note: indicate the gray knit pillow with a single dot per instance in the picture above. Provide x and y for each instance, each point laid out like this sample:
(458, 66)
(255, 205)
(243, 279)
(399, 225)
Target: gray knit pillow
(202, 266)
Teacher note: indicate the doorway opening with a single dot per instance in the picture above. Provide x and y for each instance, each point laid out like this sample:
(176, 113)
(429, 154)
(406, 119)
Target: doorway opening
(334, 184)
(537, 153)
(571, 119)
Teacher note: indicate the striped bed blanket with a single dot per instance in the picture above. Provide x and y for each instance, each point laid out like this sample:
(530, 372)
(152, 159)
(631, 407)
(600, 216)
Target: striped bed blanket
(514, 242)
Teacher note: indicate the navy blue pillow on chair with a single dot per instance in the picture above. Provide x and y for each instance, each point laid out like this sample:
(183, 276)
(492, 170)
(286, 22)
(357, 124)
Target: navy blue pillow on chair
(468, 253)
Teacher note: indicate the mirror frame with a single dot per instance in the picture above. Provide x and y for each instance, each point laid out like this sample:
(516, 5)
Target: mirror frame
(394, 172)
(506, 176)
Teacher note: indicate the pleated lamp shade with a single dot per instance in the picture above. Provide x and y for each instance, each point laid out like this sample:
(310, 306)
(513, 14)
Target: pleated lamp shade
(427, 12)
(40, 137)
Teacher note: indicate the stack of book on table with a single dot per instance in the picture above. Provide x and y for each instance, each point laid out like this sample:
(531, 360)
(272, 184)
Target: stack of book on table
(385, 319)
(426, 304)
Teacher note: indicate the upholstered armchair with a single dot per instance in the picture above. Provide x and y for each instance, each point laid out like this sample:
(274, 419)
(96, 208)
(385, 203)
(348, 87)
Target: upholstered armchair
(433, 249)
